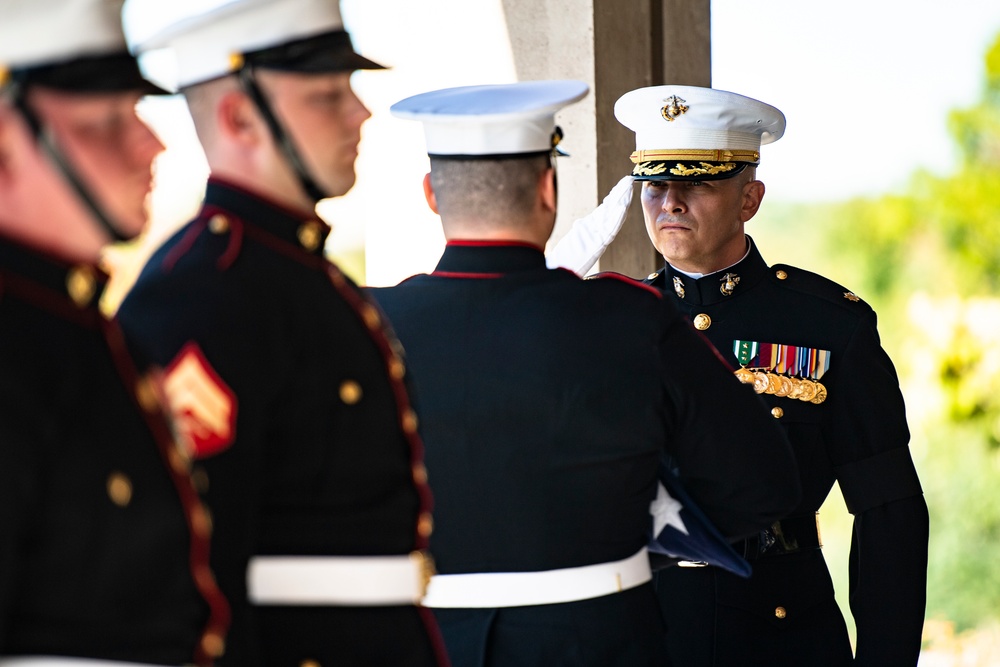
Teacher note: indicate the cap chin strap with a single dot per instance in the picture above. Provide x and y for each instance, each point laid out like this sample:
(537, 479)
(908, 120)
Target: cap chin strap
(59, 161)
(280, 136)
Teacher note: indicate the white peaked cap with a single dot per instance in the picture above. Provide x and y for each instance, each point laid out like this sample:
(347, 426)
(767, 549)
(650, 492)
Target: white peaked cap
(691, 125)
(211, 44)
(41, 32)
(491, 120)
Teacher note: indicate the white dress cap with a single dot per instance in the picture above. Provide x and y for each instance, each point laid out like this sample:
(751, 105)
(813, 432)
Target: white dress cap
(41, 32)
(212, 43)
(491, 120)
(681, 127)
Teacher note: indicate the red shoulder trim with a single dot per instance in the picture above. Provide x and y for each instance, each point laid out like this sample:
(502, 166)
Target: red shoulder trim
(625, 279)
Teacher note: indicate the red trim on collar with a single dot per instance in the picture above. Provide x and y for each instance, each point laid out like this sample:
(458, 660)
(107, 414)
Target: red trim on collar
(486, 243)
(300, 214)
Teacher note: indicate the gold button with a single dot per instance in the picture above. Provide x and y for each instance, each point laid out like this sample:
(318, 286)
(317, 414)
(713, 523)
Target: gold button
(371, 316)
(119, 489)
(201, 522)
(218, 224)
(179, 462)
(213, 645)
(410, 421)
(702, 321)
(420, 473)
(396, 369)
(309, 235)
(425, 525)
(652, 276)
(780, 612)
(236, 61)
(81, 284)
(147, 395)
(309, 663)
(780, 274)
(350, 392)
(777, 413)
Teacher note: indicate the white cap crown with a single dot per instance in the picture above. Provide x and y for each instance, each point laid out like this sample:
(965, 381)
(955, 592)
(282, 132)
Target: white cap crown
(491, 120)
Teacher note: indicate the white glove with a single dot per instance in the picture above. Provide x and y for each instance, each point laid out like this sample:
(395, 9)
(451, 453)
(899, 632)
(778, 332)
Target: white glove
(589, 237)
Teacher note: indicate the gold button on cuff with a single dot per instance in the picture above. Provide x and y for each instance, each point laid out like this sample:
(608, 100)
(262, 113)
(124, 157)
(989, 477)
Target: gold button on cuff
(218, 224)
(781, 275)
(777, 413)
(780, 612)
(119, 489)
(81, 284)
(350, 392)
(309, 235)
(702, 321)
(396, 369)
(425, 525)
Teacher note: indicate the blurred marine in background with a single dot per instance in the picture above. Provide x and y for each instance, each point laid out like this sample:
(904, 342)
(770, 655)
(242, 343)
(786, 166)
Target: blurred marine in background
(288, 385)
(103, 539)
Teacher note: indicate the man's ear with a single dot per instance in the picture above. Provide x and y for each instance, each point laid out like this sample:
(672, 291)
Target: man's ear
(753, 194)
(238, 118)
(547, 189)
(429, 195)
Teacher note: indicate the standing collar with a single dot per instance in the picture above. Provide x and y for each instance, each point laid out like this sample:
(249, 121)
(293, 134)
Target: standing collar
(488, 259)
(64, 284)
(720, 285)
(291, 226)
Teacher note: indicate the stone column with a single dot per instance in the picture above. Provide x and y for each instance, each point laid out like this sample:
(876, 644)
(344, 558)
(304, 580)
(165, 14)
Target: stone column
(615, 46)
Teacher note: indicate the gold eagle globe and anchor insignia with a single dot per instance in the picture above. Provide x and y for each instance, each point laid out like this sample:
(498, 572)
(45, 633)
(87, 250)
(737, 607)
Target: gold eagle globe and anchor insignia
(672, 108)
(679, 287)
(729, 283)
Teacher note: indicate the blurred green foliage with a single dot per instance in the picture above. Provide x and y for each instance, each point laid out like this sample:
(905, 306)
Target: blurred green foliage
(928, 260)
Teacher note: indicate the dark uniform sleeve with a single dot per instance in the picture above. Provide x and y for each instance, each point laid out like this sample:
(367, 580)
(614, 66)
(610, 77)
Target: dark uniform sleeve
(732, 456)
(872, 461)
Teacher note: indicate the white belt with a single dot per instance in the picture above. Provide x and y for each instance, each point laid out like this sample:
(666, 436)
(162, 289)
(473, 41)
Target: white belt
(337, 580)
(518, 589)
(60, 661)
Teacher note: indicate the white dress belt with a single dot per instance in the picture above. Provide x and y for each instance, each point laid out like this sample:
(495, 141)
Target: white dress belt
(518, 589)
(338, 580)
(62, 661)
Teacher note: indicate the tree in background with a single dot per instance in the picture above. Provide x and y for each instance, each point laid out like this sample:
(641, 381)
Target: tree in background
(929, 262)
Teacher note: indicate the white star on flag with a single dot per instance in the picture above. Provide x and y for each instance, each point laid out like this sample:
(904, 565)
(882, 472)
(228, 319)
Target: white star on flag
(666, 511)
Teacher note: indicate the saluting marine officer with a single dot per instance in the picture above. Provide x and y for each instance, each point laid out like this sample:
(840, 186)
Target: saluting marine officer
(282, 374)
(543, 442)
(103, 540)
(810, 347)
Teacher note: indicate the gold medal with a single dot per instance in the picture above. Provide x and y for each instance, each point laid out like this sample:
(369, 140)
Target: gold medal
(820, 394)
(784, 387)
(796, 388)
(744, 376)
(760, 382)
(809, 390)
(773, 383)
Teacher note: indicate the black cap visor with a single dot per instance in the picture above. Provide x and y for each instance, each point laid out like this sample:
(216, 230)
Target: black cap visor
(117, 72)
(328, 52)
